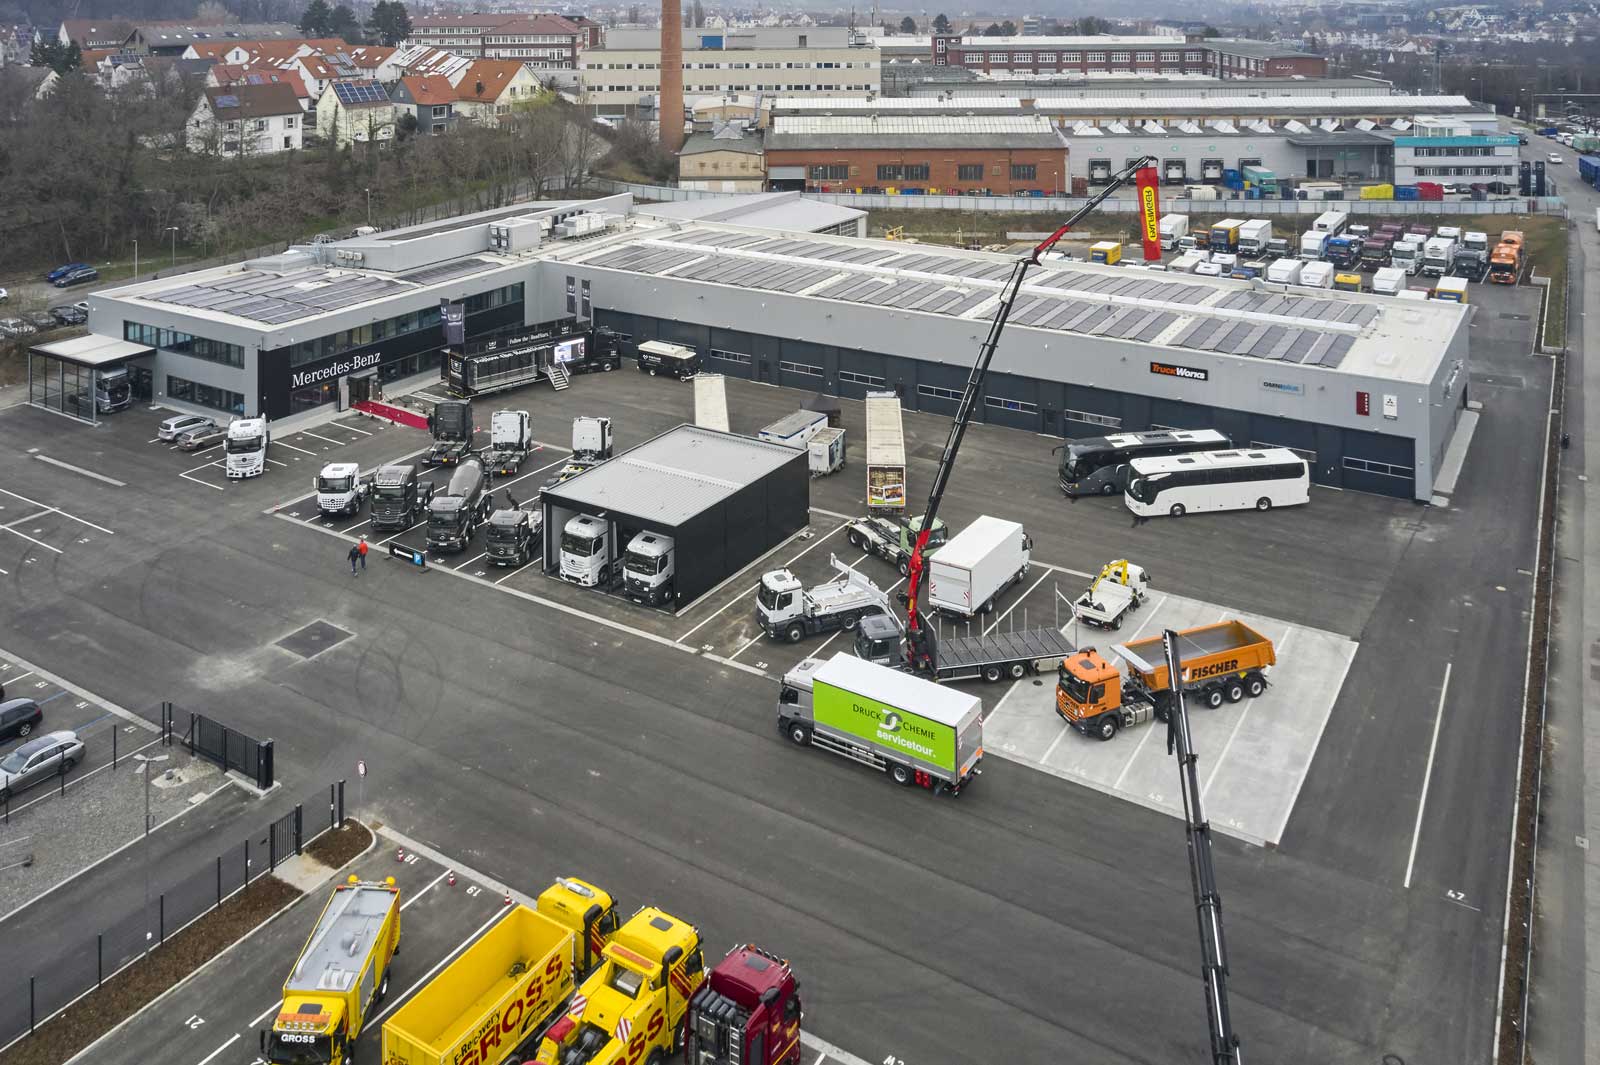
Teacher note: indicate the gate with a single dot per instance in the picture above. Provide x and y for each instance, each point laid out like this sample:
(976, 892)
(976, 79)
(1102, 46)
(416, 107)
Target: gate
(285, 837)
(230, 749)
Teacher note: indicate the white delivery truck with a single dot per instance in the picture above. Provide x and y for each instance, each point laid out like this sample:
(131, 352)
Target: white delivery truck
(1449, 233)
(589, 555)
(1173, 228)
(1253, 237)
(1388, 281)
(916, 731)
(246, 447)
(340, 489)
(1438, 256)
(787, 611)
(1406, 254)
(989, 556)
(1316, 275)
(1285, 272)
(1331, 222)
(825, 451)
(794, 430)
(1313, 245)
(647, 569)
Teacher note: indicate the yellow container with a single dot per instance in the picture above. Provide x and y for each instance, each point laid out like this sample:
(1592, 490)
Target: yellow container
(1377, 192)
(1105, 251)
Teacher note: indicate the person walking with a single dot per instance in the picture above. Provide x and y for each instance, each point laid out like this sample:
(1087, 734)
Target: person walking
(355, 553)
(362, 547)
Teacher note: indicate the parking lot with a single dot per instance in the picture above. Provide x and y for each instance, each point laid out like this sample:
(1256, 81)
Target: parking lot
(300, 452)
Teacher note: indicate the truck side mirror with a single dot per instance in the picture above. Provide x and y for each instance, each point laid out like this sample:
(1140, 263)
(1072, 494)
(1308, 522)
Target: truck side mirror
(769, 996)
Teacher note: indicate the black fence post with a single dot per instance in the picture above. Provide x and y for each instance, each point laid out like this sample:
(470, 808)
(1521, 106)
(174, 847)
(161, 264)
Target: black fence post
(99, 958)
(247, 862)
(30, 1005)
(114, 731)
(264, 767)
(332, 807)
(341, 802)
(299, 828)
(189, 737)
(225, 760)
(272, 847)
(161, 926)
(219, 881)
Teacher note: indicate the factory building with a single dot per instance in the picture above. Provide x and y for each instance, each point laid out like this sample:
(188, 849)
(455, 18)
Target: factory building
(1368, 389)
(1105, 54)
(1192, 154)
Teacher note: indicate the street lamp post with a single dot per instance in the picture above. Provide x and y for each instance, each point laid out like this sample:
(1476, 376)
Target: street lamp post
(147, 765)
(369, 206)
(174, 231)
(136, 258)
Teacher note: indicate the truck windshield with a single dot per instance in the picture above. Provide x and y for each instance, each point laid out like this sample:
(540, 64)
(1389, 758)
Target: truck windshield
(445, 519)
(390, 491)
(335, 484)
(244, 445)
(575, 544)
(1077, 688)
(299, 1048)
(625, 981)
(644, 565)
(770, 598)
(504, 533)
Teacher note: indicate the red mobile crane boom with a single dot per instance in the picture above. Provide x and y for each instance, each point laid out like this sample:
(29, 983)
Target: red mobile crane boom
(917, 641)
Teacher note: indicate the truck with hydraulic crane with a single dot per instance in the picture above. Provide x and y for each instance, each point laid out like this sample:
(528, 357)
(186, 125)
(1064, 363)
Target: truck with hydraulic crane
(1120, 588)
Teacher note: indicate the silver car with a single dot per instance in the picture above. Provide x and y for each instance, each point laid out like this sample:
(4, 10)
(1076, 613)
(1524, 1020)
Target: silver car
(179, 424)
(38, 760)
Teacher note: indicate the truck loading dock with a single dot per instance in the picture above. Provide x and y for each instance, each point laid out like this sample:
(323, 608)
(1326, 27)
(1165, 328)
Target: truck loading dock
(724, 501)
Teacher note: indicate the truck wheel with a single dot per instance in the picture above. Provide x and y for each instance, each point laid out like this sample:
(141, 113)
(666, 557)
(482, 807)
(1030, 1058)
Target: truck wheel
(851, 620)
(1106, 727)
(1212, 696)
(1263, 503)
(987, 608)
(794, 633)
(1018, 670)
(1109, 489)
(1233, 690)
(854, 540)
(652, 371)
(1254, 684)
(905, 567)
(901, 774)
(1116, 623)
(656, 1057)
(1178, 510)
(383, 986)
(991, 673)
(799, 734)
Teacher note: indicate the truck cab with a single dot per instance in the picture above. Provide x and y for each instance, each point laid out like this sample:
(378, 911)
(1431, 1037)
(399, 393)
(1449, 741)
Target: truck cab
(246, 447)
(398, 497)
(588, 551)
(515, 534)
(455, 514)
(340, 489)
(748, 1012)
(452, 428)
(1089, 695)
(879, 640)
(632, 1007)
(113, 390)
(591, 439)
(647, 569)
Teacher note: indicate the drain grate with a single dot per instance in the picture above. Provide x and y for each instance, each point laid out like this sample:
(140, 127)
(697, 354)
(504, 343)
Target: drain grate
(314, 639)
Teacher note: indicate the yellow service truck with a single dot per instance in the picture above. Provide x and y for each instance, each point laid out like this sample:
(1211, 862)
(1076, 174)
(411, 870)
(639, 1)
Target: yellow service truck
(341, 974)
(508, 985)
(630, 1012)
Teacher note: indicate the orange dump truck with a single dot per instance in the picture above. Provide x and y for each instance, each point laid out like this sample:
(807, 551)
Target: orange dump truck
(1220, 663)
(1505, 262)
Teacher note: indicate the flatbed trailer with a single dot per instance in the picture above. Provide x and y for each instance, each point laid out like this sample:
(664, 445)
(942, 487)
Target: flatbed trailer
(880, 638)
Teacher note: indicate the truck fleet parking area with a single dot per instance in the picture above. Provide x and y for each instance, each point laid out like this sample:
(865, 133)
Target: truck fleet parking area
(536, 728)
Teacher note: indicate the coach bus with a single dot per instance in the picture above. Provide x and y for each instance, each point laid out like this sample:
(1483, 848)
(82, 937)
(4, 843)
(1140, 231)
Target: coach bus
(1098, 465)
(1217, 480)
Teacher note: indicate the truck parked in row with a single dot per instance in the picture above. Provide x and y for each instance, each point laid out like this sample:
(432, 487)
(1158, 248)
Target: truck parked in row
(1375, 252)
(1505, 265)
(591, 439)
(399, 498)
(452, 428)
(342, 973)
(1254, 236)
(516, 533)
(454, 514)
(1331, 222)
(1389, 281)
(977, 565)
(1285, 272)
(916, 731)
(825, 451)
(589, 554)
(1313, 245)
(1172, 228)
(340, 489)
(1225, 235)
(748, 1012)
(648, 567)
(1219, 663)
(246, 447)
(1406, 255)
(510, 441)
(892, 541)
(1343, 251)
(787, 611)
(886, 452)
(508, 985)
(1316, 275)
(1438, 257)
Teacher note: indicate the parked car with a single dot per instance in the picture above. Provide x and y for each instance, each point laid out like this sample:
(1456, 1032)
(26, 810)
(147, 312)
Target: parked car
(83, 305)
(68, 314)
(78, 275)
(179, 424)
(40, 320)
(62, 271)
(4, 295)
(19, 717)
(39, 760)
(204, 436)
(14, 327)
(1450, 187)
(1555, 157)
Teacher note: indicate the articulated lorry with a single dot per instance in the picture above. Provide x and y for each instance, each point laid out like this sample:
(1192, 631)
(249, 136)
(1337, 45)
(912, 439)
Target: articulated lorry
(510, 441)
(505, 989)
(515, 533)
(340, 489)
(1220, 663)
(454, 514)
(399, 498)
(246, 447)
(748, 1012)
(916, 731)
(886, 452)
(342, 973)
(630, 1010)
(892, 541)
(786, 610)
(451, 426)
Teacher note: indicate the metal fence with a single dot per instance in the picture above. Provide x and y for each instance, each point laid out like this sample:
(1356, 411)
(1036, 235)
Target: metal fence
(230, 749)
(52, 968)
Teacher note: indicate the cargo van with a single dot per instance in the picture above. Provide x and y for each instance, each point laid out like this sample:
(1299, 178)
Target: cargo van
(657, 357)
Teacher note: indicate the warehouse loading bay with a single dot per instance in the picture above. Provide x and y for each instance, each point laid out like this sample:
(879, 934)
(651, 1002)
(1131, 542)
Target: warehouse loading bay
(534, 727)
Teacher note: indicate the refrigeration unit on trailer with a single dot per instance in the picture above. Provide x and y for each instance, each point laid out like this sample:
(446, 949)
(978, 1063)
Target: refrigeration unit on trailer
(826, 451)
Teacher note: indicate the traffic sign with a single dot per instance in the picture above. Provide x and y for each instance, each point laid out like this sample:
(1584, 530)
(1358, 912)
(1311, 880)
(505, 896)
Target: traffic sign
(361, 768)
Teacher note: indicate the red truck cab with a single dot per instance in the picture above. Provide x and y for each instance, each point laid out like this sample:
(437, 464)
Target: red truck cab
(746, 1013)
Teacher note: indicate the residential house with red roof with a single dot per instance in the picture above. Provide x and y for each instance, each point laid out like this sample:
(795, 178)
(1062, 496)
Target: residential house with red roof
(246, 120)
(429, 98)
(489, 89)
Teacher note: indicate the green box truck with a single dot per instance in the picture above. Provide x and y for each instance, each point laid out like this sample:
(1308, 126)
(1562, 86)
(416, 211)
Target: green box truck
(913, 729)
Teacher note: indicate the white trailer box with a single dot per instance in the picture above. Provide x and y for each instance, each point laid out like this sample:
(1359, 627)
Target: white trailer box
(1313, 245)
(1388, 281)
(1331, 222)
(794, 430)
(510, 429)
(1173, 227)
(1316, 275)
(1254, 235)
(1285, 272)
(1185, 263)
(826, 450)
(886, 452)
(990, 555)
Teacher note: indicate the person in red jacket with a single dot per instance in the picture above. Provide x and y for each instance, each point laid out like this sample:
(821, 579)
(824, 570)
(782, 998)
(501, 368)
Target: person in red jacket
(362, 547)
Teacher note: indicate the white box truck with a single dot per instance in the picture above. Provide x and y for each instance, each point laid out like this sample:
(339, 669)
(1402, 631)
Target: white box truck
(794, 430)
(1173, 228)
(916, 731)
(825, 451)
(1331, 222)
(1438, 256)
(1316, 275)
(1388, 281)
(979, 563)
(1313, 245)
(1253, 237)
(886, 452)
(1285, 272)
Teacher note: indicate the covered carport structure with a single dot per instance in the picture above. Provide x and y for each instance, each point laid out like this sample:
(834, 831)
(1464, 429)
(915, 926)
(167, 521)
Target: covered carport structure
(83, 377)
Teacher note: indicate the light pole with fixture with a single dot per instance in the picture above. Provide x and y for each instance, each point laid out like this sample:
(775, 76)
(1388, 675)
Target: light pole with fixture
(369, 206)
(174, 231)
(146, 766)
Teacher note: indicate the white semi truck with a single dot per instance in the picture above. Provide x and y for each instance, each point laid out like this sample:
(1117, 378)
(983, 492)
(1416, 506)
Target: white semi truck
(589, 554)
(787, 611)
(647, 569)
(340, 489)
(591, 439)
(980, 562)
(886, 452)
(246, 447)
(510, 441)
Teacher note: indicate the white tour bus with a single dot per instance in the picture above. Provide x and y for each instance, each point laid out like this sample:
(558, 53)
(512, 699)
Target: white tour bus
(1217, 480)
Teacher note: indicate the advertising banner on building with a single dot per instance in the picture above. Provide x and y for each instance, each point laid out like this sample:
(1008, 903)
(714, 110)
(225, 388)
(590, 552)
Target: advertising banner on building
(585, 309)
(1148, 181)
(455, 322)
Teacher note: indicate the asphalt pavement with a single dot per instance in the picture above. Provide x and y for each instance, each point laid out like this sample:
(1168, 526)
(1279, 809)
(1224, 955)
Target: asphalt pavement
(536, 729)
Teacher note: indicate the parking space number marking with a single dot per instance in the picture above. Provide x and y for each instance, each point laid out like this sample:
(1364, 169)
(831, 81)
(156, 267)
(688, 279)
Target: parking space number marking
(194, 1021)
(473, 889)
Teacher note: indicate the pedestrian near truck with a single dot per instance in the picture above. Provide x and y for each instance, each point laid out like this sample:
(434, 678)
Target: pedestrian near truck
(354, 556)
(362, 547)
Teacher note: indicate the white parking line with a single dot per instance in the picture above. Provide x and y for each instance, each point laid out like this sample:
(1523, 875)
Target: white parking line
(19, 676)
(329, 439)
(58, 510)
(231, 1040)
(519, 569)
(291, 447)
(1422, 803)
(353, 429)
(81, 470)
(196, 480)
(30, 539)
(386, 539)
(471, 560)
(31, 517)
(753, 587)
(1019, 601)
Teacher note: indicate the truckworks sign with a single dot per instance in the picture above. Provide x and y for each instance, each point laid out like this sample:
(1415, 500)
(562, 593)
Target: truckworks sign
(1187, 373)
(884, 725)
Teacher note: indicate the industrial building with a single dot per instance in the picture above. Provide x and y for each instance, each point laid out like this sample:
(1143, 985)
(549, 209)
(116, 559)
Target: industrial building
(1193, 154)
(1368, 388)
(1213, 56)
(725, 501)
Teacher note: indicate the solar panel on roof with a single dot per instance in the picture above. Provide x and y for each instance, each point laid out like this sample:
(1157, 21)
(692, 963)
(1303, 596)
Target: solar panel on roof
(445, 271)
(227, 100)
(359, 92)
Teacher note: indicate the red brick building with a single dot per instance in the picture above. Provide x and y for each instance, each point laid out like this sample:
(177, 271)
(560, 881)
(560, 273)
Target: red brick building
(943, 154)
(1129, 56)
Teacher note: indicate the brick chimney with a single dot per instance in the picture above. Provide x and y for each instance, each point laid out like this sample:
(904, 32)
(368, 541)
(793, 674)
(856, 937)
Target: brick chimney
(671, 114)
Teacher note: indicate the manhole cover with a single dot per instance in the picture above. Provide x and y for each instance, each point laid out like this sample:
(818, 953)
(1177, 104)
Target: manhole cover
(314, 639)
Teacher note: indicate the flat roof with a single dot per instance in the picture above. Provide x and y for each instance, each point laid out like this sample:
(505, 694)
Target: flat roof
(1337, 331)
(1234, 105)
(787, 211)
(673, 477)
(92, 349)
